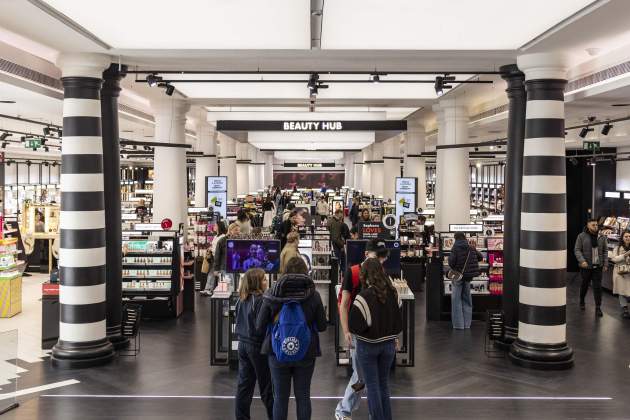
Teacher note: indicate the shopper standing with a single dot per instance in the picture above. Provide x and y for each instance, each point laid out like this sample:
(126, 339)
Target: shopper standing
(243, 222)
(621, 273)
(322, 209)
(464, 259)
(219, 265)
(252, 365)
(292, 224)
(339, 233)
(376, 321)
(294, 286)
(353, 214)
(211, 282)
(268, 212)
(591, 251)
(350, 288)
(289, 251)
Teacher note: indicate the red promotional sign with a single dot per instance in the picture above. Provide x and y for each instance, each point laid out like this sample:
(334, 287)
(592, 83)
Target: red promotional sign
(167, 224)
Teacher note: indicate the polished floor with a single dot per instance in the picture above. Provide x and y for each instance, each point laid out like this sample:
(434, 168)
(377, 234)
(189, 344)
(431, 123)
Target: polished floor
(453, 377)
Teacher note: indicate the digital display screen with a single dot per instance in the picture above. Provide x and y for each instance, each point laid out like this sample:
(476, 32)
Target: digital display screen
(241, 255)
(355, 254)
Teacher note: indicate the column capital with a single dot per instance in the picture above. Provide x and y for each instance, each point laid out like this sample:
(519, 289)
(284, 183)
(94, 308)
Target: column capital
(170, 107)
(415, 126)
(548, 65)
(453, 109)
(83, 64)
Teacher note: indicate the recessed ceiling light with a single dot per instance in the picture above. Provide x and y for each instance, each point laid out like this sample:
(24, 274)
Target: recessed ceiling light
(620, 104)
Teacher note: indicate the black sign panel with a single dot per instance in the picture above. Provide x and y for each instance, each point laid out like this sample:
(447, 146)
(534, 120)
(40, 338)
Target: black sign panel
(309, 165)
(373, 230)
(300, 126)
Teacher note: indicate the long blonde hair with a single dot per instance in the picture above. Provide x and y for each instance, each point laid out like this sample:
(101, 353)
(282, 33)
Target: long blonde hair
(251, 283)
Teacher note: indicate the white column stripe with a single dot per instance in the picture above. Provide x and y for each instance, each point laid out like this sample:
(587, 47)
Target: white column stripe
(81, 182)
(76, 107)
(538, 296)
(542, 334)
(543, 146)
(82, 145)
(89, 257)
(81, 295)
(82, 219)
(78, 333)
(551, 260)
(544, 184)
(545, 109)
(544, 222)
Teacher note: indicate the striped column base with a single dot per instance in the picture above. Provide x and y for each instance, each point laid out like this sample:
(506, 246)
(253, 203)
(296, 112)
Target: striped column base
(81, 355)
(510, 335)
(541, 356)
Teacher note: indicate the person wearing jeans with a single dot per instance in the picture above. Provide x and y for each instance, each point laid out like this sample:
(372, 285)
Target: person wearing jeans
(351, 396)
(376, 320)
(464, 259)
(591, 251)
(301, 374)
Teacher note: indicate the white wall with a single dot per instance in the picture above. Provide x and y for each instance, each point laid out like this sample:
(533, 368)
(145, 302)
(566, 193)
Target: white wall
(623, 171)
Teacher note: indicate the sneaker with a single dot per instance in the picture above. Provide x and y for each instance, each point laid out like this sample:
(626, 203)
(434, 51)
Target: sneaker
(342, 417)
(598, 312)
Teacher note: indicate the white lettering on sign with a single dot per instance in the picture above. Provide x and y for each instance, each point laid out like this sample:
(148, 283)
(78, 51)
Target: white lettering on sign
(312, 126)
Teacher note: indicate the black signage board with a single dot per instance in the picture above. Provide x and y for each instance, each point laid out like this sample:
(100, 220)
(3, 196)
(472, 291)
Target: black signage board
(300, 126)
(373, 230)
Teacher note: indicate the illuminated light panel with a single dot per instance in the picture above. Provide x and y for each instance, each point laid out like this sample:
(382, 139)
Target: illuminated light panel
(194, 24)
(439, 25)
(310, 141)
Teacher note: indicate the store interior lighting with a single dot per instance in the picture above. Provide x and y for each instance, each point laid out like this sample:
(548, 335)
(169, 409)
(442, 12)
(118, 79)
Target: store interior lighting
(606, 129)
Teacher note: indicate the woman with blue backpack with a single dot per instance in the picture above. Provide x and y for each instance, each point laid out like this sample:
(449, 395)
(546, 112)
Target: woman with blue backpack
(252, 366)
(292, 315)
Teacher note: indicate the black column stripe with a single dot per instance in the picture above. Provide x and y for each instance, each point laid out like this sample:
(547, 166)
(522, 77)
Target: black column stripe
(81, 126)
(543, 241)
(82, 201)
(545, 89)
(544, 127)
(544, 165)
(81, 164)
(82, 276)
(542, 277)
(82, 314)
(543, 203)
(542, 315)
(82, 238)
(81, 87)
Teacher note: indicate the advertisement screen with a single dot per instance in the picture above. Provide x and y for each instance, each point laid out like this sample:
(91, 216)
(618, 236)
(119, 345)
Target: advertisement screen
(218, 202)
(406, 185)
(216, 183)
(241, 255)
(355, 254)
(405, 203)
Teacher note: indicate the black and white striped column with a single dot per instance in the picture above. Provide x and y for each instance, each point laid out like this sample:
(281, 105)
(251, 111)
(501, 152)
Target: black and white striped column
(541, 341)
(82, 327)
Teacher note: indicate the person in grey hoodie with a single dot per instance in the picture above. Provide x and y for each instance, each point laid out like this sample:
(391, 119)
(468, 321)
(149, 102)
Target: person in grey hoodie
(591, 251)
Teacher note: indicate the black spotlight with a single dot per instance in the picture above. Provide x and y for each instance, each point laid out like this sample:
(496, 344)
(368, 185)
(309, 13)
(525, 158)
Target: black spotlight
(5, 144)
(606, 129)
(170, 89)
(313, 81)
(46, 149)
(23, 139)
(46, 131)
(60, 132)
(439, 85)
(153, 80)
(54, 164)
(573, 161)
(3, 136)
(28, 163)
(584, 131)
(45, 163)
(375, 78)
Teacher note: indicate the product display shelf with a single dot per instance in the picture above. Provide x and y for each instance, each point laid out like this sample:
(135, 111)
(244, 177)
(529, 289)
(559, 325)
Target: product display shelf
(439, 288)
(151, 274)
(10, 279)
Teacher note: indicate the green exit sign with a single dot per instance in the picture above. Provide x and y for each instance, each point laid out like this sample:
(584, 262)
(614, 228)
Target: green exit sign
(592, 146)
(33, 143)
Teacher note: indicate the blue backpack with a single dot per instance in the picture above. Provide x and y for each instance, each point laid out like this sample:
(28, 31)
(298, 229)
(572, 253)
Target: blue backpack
(290, 335)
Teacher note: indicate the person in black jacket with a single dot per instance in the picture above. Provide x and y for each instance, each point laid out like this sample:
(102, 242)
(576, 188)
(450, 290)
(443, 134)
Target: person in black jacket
(353, 214)
(295, 285)
(294, 221)
(376, 320)
(252, 365)
(465, 259)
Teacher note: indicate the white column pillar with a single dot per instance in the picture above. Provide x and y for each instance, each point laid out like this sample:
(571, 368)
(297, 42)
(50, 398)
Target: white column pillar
(269, 169)
(391, 167)
(242, 168)
(348, 166)
(228, 163)
(206, 165)
(358, 171)
(414, 165)
(453, 185)
(260, 169)
(252, 171)
(367, 171)
(170, 198)
(376, 170)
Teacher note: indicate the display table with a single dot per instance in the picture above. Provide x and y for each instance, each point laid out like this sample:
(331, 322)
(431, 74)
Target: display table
(405, 356)
(10, 279)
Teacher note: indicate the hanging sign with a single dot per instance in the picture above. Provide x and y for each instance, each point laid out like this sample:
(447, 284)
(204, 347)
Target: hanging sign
(406, 196)
(373, 230)
(592, 146)
(465, 228)
(216, 195)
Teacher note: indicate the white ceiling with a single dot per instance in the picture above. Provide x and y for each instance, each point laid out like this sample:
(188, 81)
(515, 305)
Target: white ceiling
(440, 25)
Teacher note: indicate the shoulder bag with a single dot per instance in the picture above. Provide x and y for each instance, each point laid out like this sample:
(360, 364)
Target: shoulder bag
(456, 276)
(623, 268)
